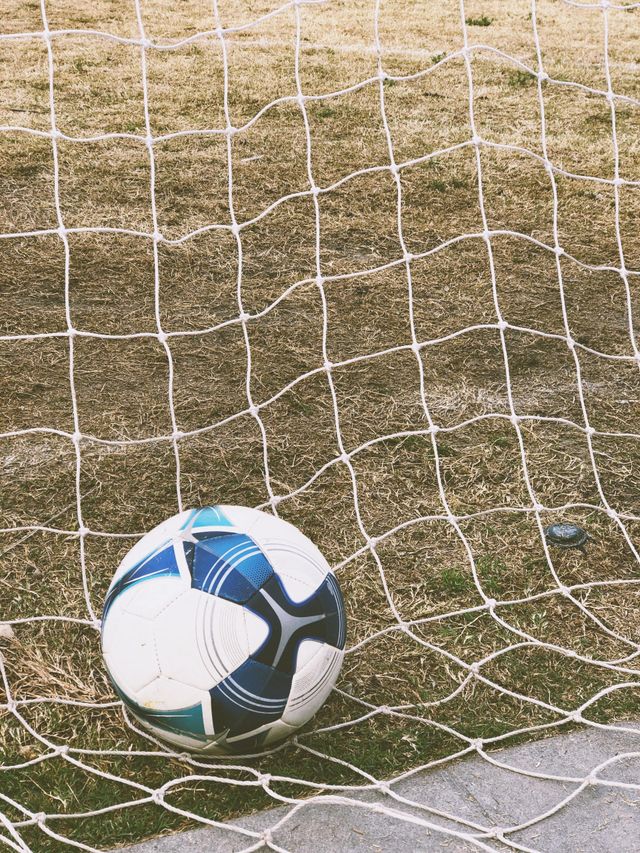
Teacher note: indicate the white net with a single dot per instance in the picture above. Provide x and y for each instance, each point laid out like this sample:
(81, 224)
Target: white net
(367, 266)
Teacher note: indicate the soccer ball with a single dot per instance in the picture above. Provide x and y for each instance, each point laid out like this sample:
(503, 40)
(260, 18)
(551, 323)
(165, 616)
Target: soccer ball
(223, 630)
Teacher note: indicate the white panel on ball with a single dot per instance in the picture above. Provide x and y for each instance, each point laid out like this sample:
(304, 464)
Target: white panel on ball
(242, 517)
(312, 684)
(177, 643)
(147, 601)
(129, 649)
(200, 639)
(286, 545)
(165, 694)
(300, 575)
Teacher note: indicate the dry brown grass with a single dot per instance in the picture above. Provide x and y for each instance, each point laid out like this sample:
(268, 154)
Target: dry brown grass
(121, 384)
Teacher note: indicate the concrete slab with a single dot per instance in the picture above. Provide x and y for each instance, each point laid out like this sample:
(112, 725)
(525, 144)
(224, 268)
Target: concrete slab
(457, 807)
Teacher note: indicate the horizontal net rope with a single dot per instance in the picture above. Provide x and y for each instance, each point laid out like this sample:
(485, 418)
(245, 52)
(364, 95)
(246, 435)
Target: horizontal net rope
(618, 673)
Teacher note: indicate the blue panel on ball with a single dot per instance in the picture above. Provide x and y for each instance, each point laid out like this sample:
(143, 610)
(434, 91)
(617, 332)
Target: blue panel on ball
(160, 563)
(209, 516)
(229, 565)
(319, 617)
(256, 693)
(336, 627)
(253, 695)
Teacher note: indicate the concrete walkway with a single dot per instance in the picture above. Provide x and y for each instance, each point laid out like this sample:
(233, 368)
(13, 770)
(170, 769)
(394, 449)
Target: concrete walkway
(599, 819)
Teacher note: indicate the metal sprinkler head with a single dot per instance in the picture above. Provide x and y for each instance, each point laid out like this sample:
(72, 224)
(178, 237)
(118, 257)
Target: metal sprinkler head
(567, 535)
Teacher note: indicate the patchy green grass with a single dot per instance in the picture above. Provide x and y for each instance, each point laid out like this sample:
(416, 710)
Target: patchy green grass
(519, 78)
(481, 21)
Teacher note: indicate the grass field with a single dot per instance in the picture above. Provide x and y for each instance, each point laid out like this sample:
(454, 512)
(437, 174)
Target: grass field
(407, 695)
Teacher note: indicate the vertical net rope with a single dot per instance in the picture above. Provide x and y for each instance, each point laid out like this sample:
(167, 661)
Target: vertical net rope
(617, 674)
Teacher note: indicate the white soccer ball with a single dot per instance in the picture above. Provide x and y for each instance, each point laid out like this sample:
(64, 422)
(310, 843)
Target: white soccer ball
(223, 630)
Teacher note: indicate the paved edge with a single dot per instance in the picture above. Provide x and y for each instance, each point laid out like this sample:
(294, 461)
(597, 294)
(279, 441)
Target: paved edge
(599, 818)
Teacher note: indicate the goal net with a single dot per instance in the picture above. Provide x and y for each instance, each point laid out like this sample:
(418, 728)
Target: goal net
(371, 266)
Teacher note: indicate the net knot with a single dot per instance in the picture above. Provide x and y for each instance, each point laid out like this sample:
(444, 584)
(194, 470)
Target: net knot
(564, 590)
(576, 716)
(157, 236)
(39, 817)
(62, 749)
(415, 346)
(476, 140)
(163, 337)
(543, 76)
(618, 182)
(502, 325)
(474, 668)
(590, 430)
(384, 709)
(244, 316)
(146, 43)
(344, 457)
(592, 778)
(11, 705)
(61, 231)
(267, 837)
(477, 743)
(384, 788)
(328, 365)
(253, 410)
(538, 507)
(491, 603)
(177, 434)
(158, 796)
(148, 140)
(264, 779)
(75, 437)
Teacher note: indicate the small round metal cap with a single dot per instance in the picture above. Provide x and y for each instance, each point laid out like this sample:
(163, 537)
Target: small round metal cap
(566, 535)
